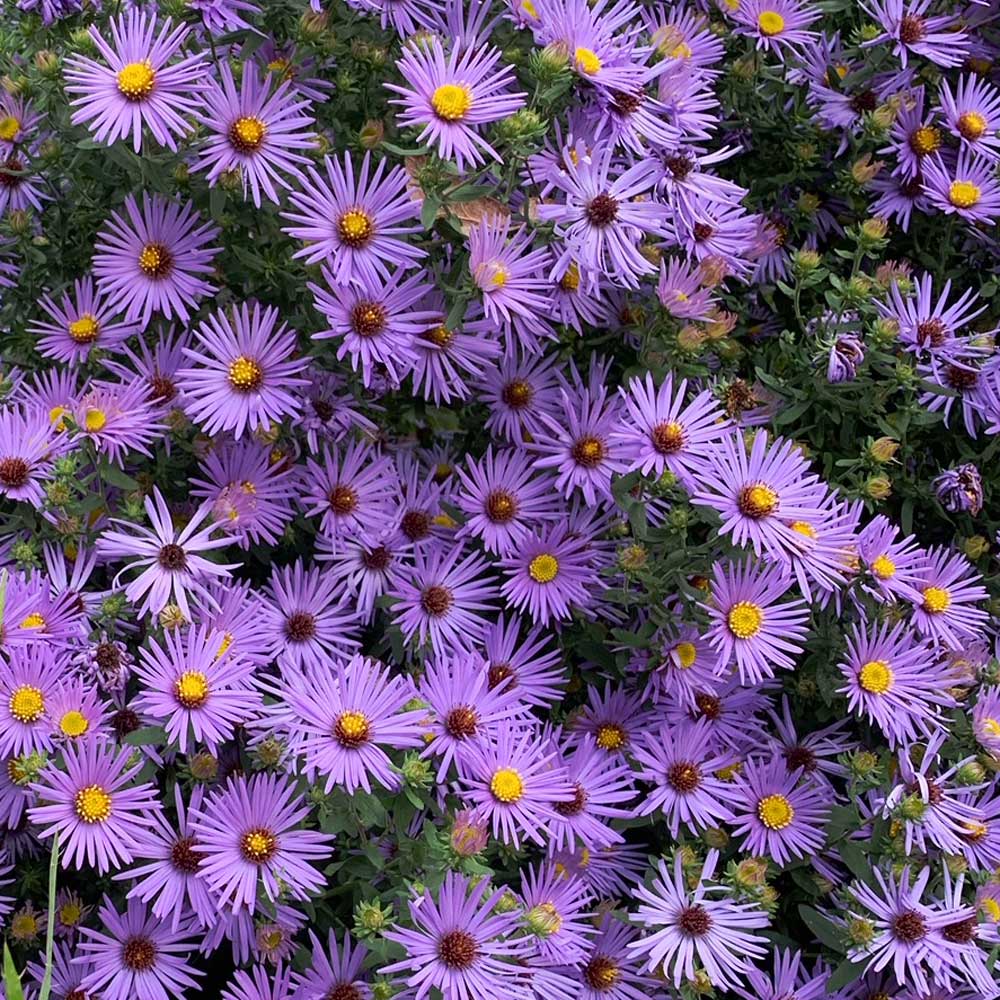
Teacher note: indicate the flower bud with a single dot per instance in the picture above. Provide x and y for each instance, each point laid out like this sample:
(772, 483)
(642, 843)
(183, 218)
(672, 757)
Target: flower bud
(372, 133)
(805, 261)
(878, 488)
(204, 767)
(883, 450)
(860, 931)
(469, 835)
(976, 547)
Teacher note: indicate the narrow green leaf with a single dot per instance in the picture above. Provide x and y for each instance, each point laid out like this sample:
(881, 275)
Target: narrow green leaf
(12, 988)
(844, 975)
(46, 988)
(147, 736)
(825, 930)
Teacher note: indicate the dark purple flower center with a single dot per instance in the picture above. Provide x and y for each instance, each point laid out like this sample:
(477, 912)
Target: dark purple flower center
(172, 558)
(462, 722)
(436, 600)
(343, 991)
(368, 318)
(962, 379)
(909, 926)
(864, 102)
(667, 438)
(11, 180)
(14, 472)
(684, 776)
(323, 409)
(125, 721)
(962, 932)
(626, 104)
(694, 921)
(602, 210)
(931, 332)
(709, 706)
(911, 29)
(575, 805)
(415, 524)
(376, 559)
(184, 857)
(162, 388)
(800, 757)
(601, 973)
(501, 506)
(498, 673)
(457, 949)
(343, 499)
(517, 394)
(139, 954)
(300, 626)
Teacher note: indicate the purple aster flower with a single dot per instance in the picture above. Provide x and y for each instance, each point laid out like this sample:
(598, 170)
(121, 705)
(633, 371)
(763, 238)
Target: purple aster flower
(352, 491)
(608, 971)
(334, 970)
(517, 393)
(440, 600)
(137, 84)
(537, 677)
(960, 489)
(19, 183)
(244, 376)
(260, 983)
(93, 805)
(249, 494)
(776, 25)
(761, 493)
(18, 122)
(304, 620)
(458, 944)
(680, 290)
(512, 783)
(29, 678)
(346, 716)
(155, 260)
(914, 136)
(973, 113)
(76, 710)
(452, 96)
(117, 418)
(815, 753)
(222, 16)
(463, 707)
(254, 131)
(170, 559)
(614, 717)
(502, 498)
(748, 622)
(67, 973)
(789, 978)
(947, 590)
(685, 923)
(549, 574)
(969, 190)
(29, 443)
(605, 215)
(986, 720)
(79, 324)
(689, 667)
(781, 816)
(376, 322)
(895, 681)
(156, 367)
(248, 833)
(681, 762)
(365, 569)
(169, 877)
(663, 434)
(969, 383)
(195, 688)
(906, 24)
(846, 355)
(358, 227)
(892, 563)
(136, 954)
(553, 904)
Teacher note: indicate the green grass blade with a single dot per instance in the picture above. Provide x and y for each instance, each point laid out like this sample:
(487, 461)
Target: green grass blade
(12, 988)
(50, 930)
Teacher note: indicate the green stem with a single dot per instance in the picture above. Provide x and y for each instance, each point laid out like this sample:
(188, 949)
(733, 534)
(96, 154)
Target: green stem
(46, 987)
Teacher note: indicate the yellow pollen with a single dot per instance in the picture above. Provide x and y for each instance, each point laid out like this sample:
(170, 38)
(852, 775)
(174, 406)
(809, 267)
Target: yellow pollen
(936, 600)
(775, 812)
(681, 51)
(543, 568)
(245, 375)
(757, 501)
(24, 926)
(34, 620)
(56, 415)
(544, 919)
(964, 194)
(507, 785)
(93, 804)
(925, 140)
(529, 8)
(73, 724)
(154, 260)
(279, 65)
(355, 228)
(353, 727)
(991, 908)
(611, 736)
(974, 831)
(876, 677)
(451, 101)
(771, 23)
(136, 80)
(9, 127)
(972, 125)
(94, 419)
(883, 567)
(84, 330)
(745, 619)
(27, 703)
(70, 914)
(570, 281)
(841, 70)
(258, 845)
(247, 134)
(227, 641)
(687, 653)
(991, 727)
(587, 61)
(804, 528)
(191, 689)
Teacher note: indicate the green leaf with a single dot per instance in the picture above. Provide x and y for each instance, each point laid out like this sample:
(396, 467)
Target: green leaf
(429, 211)
(853, 855)
(844, 975)
(114, 476)
(11, 980)
(147, 736)
(46, 987)
(403, 151)
(825, 930)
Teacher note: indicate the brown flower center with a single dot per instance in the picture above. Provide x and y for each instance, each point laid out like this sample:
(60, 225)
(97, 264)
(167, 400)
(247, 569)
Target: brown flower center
(377, 559)
(343, 499)
(14, 472)
(258, 845)
(589, 452)
(601, 973)
(172, 558)
(139, 954)
(667, 437)
(501, 506)
(184, 857)
(517, 394)
(457, 949)
(602, 210)
(575, 805)
(694, 920)
(462, 722)
(368, 319)
(300, 626)
(684, 776)
(909, 926)
(931, 332)
(436, 600)
(415, 524)
(911, 29)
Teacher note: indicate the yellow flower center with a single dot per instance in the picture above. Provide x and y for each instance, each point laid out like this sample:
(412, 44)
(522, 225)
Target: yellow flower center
(247, 134)
(355, 228)
(876, 676)
(570, 281)
(451, 101)
(227, 641)
(94, 419)
(936, 600)
(529, 8)
(24, 926)
(757, 501)
(34, 620)
(93, 804)
(245, 375)
(803, 528)
(507, 785)
(971, 125)
(155, 260)
(70, 914)
(745, 619)
(73, 724)
(991, 727)
(974, 831)
(191, 689)
(771, 23)
(964, 194)
(352, 729)
(439, 336)
(686, 654)
(587, 61)
(56, 415)
(27, 703)
(258, 845)
(775, 812)
(611, 736)
(543, 568)
(925, 140)
(84, 330)
(883, 567)
(9, 127)
(136, 80)
(991, 908)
